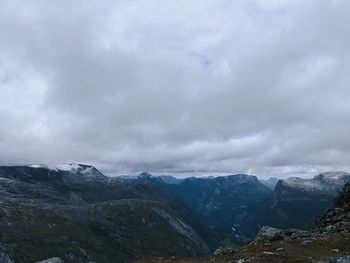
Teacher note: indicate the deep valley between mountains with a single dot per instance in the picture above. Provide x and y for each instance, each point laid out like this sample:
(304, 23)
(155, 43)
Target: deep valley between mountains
(74, 213)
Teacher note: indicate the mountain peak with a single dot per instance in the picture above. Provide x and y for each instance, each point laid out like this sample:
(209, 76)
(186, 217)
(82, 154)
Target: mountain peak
(296, 182)
(328, 181)
(70, 167)
(333, 175)
(70, 172)
(144, 175)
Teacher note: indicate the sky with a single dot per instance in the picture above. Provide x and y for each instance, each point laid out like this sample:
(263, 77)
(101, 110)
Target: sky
(215, 86)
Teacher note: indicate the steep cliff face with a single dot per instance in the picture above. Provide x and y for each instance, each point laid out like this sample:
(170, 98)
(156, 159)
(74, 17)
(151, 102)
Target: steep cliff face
(222, 202)
(270, 183)
(337, 217)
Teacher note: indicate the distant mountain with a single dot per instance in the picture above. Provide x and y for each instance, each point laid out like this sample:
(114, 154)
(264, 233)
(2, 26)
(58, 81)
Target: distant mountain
(327, 241)
(222, 202)
(68, 173)
(296, 202)
(78, 214)
(170, 179)
(270, 183)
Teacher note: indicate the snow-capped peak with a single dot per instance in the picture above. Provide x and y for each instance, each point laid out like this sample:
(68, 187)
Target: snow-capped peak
(85, 170)
(325, 181)
(297, 182)
(334, 175)
(61, 167)
(68, 167)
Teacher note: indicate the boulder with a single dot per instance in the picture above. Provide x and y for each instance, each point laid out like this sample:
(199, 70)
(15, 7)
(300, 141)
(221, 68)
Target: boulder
(267, 233)
(345, 259)
(224, 251)
(51, 260)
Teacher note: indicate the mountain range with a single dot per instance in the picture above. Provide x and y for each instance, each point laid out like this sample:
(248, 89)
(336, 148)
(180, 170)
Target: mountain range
(78, 214)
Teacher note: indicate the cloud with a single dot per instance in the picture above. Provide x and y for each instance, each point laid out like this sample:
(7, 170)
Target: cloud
(220, 86)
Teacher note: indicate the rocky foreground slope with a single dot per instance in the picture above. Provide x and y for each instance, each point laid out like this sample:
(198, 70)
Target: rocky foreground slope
(327, 242)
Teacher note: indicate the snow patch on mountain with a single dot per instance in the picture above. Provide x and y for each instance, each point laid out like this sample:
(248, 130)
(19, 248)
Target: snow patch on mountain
(61, 167)
(334, 175)
(297, 182)
(69, 167)
(328, 181)
(72, 167)
(86, 171)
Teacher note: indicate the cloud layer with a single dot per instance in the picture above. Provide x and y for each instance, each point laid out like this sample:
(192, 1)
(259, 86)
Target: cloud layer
(212, 86)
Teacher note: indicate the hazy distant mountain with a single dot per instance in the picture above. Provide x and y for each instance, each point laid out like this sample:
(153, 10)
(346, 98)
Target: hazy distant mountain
(222, 202)
(78, 214)
(297, 202)
(170, 179)
(270, 183)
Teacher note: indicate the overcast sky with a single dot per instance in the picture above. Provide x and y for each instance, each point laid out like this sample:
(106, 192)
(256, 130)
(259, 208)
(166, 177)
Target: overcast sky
(254, 86)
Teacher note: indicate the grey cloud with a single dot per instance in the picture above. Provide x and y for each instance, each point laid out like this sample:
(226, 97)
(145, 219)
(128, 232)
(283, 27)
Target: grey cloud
(220, 86)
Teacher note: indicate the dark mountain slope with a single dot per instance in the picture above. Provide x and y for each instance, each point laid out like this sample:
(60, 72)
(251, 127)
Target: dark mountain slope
(297, 203)
(77, 213)
(222, 202)
(327, 242)
(115, 231)
(270, 183)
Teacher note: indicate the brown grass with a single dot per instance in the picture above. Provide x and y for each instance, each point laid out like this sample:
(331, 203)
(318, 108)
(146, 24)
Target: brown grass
(303, 251)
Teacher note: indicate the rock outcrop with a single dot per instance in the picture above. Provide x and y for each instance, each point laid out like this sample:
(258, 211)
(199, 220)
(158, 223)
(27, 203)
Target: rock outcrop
(269, 234)
(51, 260)
(337, 217)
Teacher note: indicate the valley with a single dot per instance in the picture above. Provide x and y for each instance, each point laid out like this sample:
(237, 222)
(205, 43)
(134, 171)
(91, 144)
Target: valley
(77, 214)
